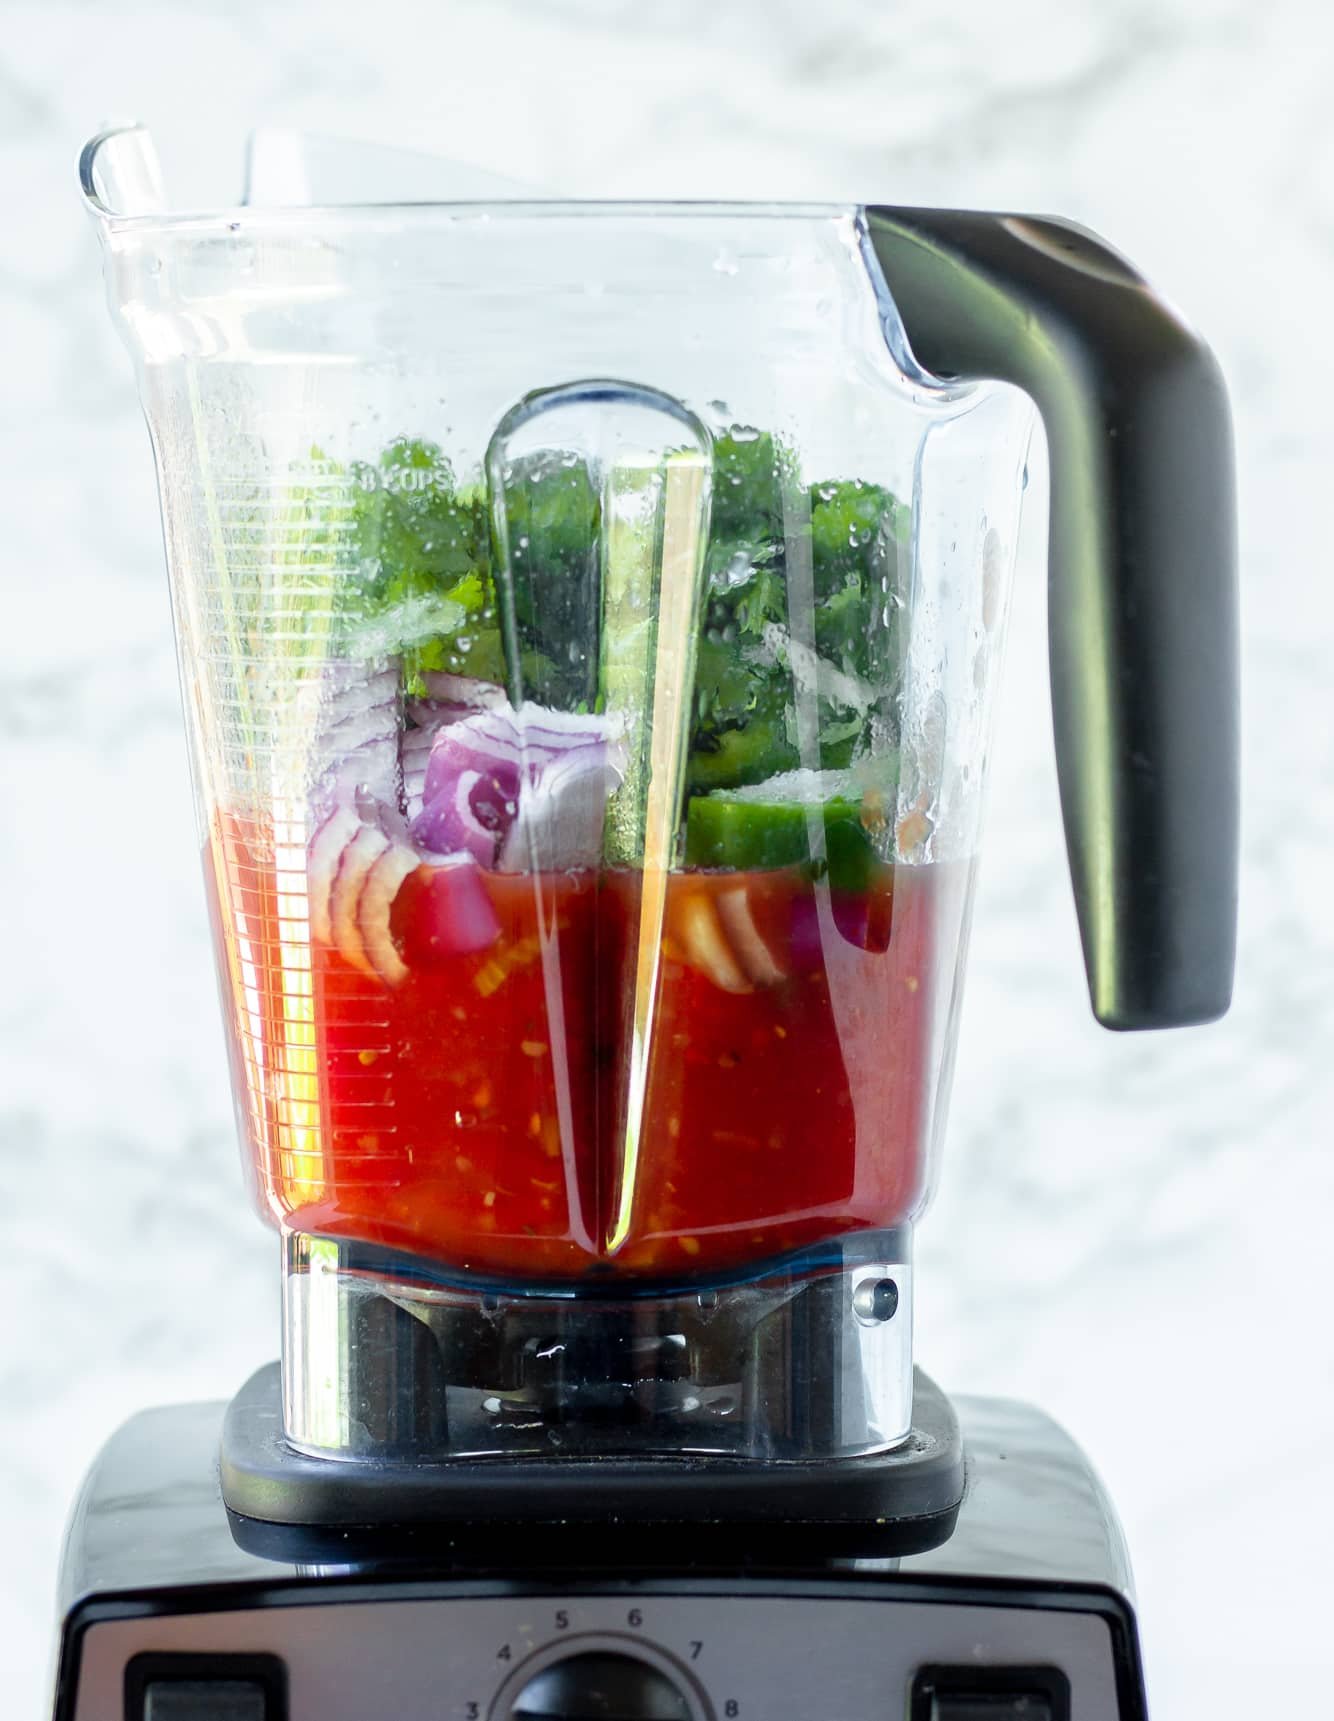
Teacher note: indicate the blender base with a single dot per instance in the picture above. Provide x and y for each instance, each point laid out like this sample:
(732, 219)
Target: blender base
(1026, 1609)
(897, 1502)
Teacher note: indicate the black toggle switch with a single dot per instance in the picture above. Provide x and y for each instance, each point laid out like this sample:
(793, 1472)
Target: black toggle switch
(998, 1708)
(175, 1687)
(990, 1694)
(205, 1700)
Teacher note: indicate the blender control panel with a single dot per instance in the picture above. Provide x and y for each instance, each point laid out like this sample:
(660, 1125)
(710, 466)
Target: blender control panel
(632, 1656)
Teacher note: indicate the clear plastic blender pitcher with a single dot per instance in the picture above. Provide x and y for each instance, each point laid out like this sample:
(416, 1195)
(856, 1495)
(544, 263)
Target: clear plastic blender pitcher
(589, 618)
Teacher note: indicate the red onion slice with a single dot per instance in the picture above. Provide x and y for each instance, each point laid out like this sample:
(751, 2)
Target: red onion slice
(451, 698)
(536, 781)
(414, 754)
(383, 883)
(483, 785)
(355, 717)
(560, 817)
(326, 852)
(358, 858)
(473, 820)
(464, 690)
(745, 937)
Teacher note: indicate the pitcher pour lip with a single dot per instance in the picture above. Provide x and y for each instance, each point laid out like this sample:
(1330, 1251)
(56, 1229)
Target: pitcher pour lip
(124, 192)
(157, 214)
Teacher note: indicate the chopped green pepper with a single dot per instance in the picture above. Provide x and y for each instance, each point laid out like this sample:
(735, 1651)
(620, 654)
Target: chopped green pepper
(746, 833)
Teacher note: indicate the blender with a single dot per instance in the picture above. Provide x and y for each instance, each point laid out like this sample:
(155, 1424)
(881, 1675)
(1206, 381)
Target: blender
(589, 618)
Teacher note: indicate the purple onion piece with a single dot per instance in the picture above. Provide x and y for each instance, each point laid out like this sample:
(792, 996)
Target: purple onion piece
(519, 789)
(464, 691)
(457, 917)
(850, 912)
(414, 751)
(451, 698)
(355, 753)
(470, 814)
(560, 816)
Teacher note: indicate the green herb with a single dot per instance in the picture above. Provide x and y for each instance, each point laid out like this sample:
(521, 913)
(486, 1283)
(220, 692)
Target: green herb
(858, 534)
(422, 589)
(424, 592)
(552, 517)
(746, 683)
(751, 471)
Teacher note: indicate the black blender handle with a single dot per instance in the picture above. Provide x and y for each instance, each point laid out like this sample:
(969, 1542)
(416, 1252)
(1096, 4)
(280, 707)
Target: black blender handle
(1142, 584)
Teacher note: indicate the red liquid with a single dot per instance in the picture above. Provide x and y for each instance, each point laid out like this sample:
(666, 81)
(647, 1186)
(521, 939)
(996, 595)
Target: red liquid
(476, 1114)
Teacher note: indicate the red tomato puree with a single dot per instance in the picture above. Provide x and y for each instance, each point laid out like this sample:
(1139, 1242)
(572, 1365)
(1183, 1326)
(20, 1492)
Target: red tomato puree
(475, 1115)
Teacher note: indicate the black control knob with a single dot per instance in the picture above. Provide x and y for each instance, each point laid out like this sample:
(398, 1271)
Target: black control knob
(601, 1686)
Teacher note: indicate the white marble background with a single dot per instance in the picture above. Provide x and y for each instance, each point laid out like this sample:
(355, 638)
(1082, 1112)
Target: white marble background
(1136, 1232)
